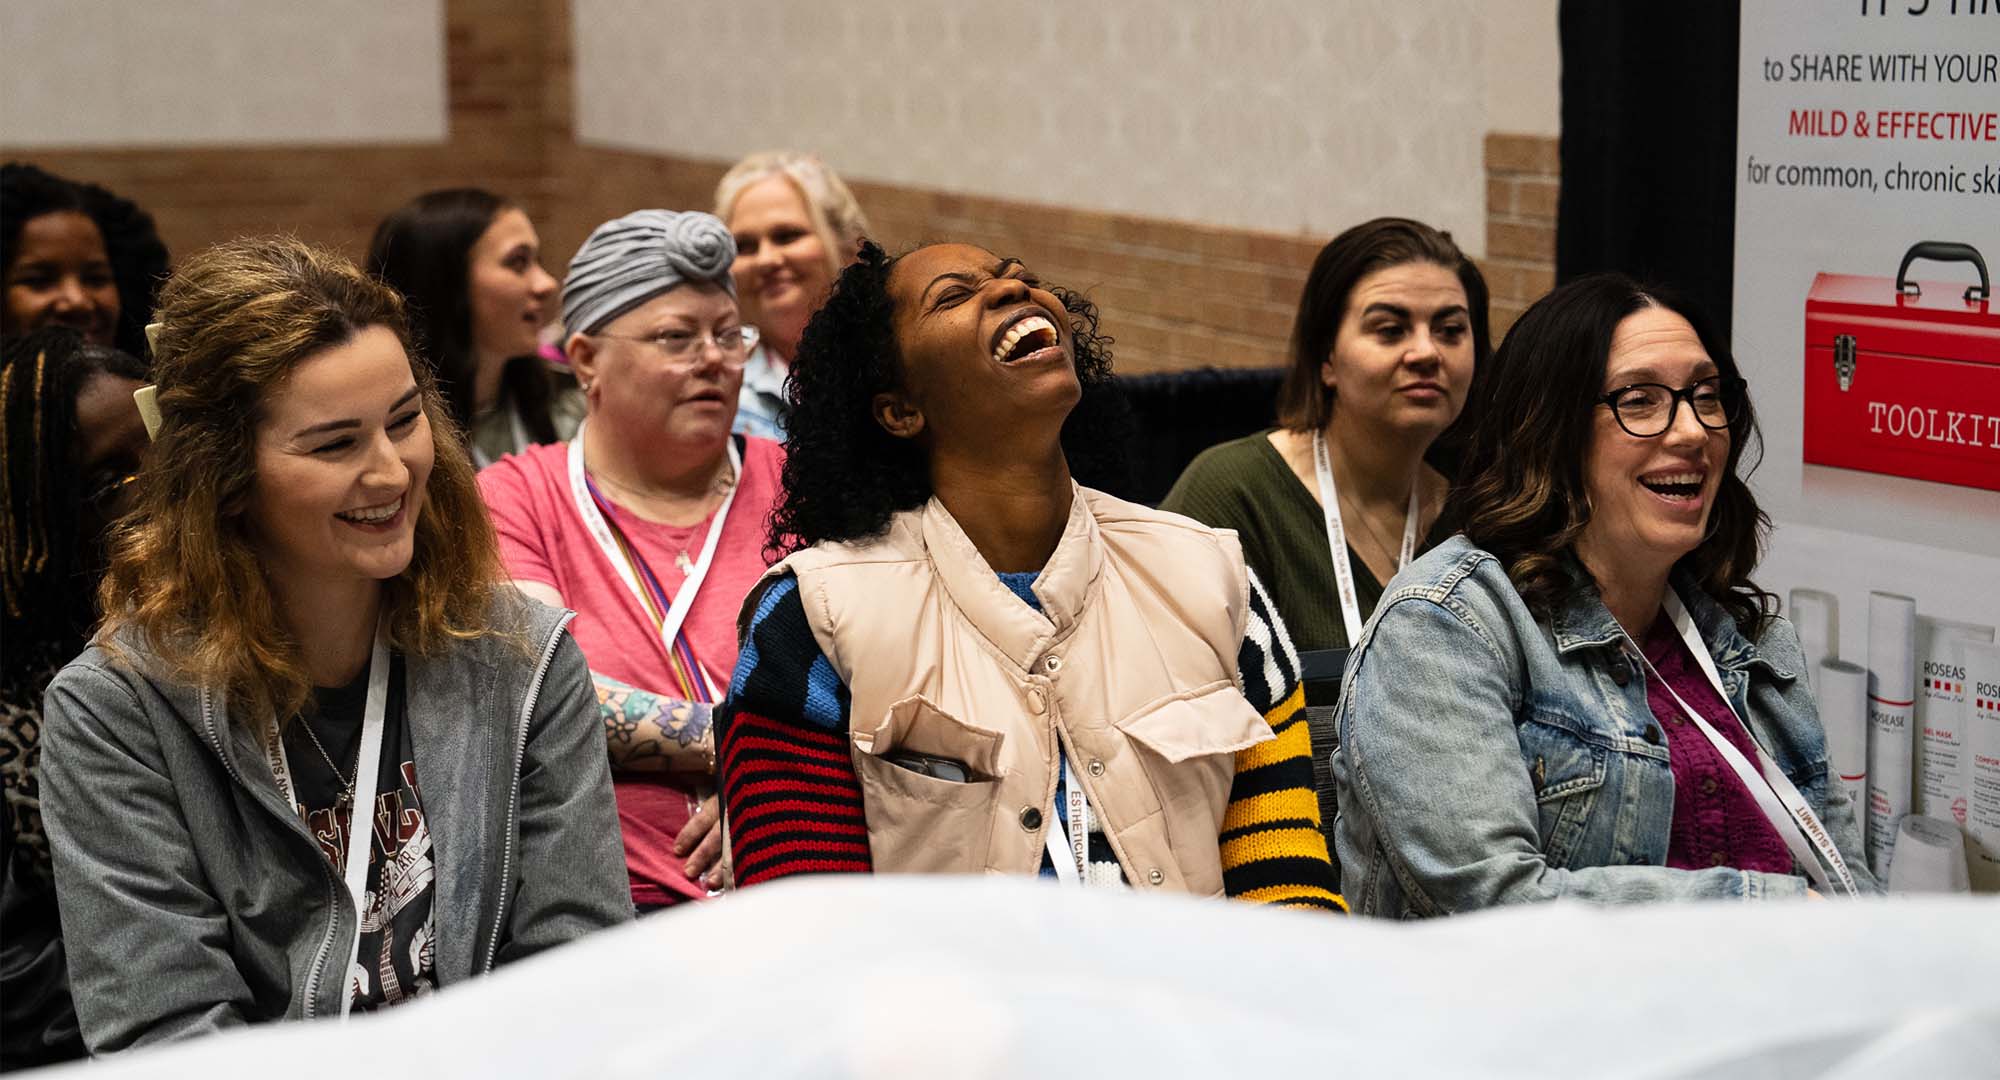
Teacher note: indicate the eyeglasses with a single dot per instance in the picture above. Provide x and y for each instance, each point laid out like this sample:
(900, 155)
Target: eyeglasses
(687, 346)
(1647, 410)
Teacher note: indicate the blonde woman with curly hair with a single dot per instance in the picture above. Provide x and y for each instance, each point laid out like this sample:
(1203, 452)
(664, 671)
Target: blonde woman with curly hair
(796, 225)
(305, 614)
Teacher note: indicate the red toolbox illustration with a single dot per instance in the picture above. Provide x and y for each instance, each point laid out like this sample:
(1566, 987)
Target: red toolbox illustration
(1903, 376)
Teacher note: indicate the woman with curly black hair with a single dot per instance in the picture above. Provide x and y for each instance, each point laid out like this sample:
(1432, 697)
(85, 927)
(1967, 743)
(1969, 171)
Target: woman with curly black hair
(74, 254)
(968, 662)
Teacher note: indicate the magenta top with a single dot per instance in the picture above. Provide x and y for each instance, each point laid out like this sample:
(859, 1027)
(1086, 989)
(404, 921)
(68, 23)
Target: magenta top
(1716, 820)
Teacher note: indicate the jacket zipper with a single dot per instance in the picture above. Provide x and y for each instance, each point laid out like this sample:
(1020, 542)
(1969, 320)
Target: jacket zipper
(514, 790)
(325, 949)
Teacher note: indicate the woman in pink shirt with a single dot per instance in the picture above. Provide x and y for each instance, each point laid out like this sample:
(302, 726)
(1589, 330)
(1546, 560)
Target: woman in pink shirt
(649, 524)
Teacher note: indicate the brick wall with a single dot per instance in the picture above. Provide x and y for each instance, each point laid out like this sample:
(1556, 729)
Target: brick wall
(1523, 180)
(1174, 295)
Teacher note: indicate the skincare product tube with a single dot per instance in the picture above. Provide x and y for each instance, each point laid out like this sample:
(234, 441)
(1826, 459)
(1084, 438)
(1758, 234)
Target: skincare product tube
(1940, 744)
(1981, 708)
(1892, 665)
(1930, 857)
(1816, 615)
(1843, 712)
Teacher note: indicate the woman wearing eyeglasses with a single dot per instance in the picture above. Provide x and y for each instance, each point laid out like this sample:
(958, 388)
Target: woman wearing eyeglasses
(1582, 694)
(650, 522)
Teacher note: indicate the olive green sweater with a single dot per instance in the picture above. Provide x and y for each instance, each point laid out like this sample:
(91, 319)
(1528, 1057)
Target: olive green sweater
(1245, 485)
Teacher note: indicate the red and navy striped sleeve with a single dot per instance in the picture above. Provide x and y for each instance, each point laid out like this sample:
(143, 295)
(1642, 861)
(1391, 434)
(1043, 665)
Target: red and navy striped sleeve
(788, 783)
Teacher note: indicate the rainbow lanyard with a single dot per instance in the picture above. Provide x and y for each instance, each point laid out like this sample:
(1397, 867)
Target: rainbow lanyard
(667, 612)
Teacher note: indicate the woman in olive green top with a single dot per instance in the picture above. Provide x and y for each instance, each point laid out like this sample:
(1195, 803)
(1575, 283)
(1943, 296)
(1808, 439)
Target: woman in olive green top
(1389, 330)
(1391, 327)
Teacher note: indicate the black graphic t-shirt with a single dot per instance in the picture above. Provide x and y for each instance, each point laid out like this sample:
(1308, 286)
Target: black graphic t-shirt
(398, 934)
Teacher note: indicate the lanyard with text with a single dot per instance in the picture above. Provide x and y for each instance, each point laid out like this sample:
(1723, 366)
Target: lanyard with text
(361, 810)
(1812, 847)
(1072, 866)
(1336, 540)
(698, 682)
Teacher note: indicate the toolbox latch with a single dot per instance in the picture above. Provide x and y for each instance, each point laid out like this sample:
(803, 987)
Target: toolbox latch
(1843, 359)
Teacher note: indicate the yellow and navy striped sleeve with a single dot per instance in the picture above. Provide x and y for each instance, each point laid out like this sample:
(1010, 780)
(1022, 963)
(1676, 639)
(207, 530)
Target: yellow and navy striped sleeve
(1272, 849)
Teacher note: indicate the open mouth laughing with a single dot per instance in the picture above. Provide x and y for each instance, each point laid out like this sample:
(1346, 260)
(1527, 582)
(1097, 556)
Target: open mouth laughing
(384, 516)
(1677, 486)
(1025, 336)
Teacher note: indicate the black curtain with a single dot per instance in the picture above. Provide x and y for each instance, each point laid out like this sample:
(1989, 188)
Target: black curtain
(1649, 145)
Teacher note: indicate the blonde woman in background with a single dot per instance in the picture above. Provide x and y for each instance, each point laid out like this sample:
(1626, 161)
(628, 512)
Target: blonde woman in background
(796, 225)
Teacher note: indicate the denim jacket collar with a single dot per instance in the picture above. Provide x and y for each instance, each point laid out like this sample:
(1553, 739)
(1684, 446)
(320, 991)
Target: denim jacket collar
(1582, 622)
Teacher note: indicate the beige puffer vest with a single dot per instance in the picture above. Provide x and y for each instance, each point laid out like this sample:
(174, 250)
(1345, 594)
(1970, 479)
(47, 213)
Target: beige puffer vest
(1131, 664)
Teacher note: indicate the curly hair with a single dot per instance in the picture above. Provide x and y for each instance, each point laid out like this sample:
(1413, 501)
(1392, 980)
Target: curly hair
(131, 241)
(1521, 493)
(844, 476)
(185, 575)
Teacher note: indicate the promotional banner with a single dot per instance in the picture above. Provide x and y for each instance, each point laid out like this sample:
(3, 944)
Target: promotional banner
(1867, 237)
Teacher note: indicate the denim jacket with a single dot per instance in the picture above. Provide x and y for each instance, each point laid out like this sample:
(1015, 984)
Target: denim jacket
(1489, 757)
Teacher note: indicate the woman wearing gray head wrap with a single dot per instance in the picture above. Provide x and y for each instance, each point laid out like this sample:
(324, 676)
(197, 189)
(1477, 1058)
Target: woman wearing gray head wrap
(649, 524)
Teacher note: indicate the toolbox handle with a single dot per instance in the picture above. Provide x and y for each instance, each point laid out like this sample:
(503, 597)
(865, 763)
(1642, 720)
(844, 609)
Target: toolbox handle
(1943, 251)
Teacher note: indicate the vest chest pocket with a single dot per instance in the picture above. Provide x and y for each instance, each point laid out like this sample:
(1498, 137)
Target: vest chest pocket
(919, 823)
(1567, 772)
(1191, 741)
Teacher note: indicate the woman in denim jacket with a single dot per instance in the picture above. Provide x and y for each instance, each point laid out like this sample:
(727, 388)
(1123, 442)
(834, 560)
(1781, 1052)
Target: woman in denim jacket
(1512, 727)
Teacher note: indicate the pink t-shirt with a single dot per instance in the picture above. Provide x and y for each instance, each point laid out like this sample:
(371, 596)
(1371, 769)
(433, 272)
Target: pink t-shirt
(543, 539)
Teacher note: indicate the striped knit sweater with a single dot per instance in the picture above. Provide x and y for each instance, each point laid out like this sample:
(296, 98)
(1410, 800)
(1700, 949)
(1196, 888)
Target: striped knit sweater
(794, 800)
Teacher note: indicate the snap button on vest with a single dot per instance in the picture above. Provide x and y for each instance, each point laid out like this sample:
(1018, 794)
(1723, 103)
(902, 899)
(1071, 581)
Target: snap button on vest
(1031, 819)
(1096, 767)
(1037, 702)
(1052, 663)
(1653, 734)
(1156, 875)
(1621, 672)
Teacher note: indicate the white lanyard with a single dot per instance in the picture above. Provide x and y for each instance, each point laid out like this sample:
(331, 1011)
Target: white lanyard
(514, 427)
(1780, 801)
(1073, 865)
(600, 531)
(1336, 539)
(361, 810)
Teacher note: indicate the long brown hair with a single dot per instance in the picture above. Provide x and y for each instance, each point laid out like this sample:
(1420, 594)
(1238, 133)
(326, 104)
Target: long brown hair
(1521, 491)
(185, 575)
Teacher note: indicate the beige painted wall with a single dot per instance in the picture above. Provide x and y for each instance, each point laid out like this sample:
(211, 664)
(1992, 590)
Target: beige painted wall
(1293, 116)
(128, 73)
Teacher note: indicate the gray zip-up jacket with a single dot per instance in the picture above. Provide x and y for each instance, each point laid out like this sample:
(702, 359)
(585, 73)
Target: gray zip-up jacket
(192, 897)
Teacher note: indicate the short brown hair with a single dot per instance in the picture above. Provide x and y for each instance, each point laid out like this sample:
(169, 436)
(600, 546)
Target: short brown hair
(237, 320)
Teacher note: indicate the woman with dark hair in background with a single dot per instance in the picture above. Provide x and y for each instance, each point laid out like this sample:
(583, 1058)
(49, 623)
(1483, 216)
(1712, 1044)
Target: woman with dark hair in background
(70, 442)
(74, 254)
(1391, 328)
(971, 663)
(469, 264)
(1583, 694)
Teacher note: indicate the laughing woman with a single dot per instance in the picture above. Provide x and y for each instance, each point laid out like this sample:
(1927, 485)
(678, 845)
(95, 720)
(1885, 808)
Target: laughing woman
(969, 663)
(305, 619)
(1583, 695)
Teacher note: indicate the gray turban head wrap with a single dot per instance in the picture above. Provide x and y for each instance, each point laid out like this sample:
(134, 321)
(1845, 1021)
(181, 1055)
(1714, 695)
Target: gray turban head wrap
(628, 261)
